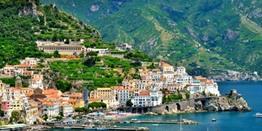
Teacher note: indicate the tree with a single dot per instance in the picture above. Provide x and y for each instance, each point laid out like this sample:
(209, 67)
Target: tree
(129, 103)
(97, 105)
(82, 109)
(15, 116)
(152, 66)
(56, 54)
(92, 53)
(67, 41)
(136, 63)
(2, 113)
(90, 61)
(45, 117)
(63, 85)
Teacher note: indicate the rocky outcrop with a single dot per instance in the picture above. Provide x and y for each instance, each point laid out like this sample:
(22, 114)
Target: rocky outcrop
(231, 102)
(30, 9)
(236, 76)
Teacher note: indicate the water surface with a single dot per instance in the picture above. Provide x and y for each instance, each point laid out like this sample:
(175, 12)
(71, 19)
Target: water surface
(226, 121)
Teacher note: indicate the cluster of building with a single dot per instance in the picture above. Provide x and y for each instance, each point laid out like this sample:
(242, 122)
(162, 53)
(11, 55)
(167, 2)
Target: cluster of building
(146, 92)
(36, 99)
(35, 103)
(24, 68)
(27, 67)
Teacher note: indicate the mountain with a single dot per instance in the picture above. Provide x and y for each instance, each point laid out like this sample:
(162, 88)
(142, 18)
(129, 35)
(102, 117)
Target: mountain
(208, 36)
(22, 22)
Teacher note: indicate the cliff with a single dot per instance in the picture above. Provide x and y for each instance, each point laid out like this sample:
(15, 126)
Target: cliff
(231, 102)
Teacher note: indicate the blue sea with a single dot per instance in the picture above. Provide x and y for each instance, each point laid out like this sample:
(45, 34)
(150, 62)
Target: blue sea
(226, 121)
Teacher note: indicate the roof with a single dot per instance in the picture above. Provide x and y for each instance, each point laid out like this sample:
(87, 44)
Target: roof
(204, 80)
(76, 95)
(119, 88)
(52, 93)
(164, 63)
(24, 65)
(144, 93)
(101, 89)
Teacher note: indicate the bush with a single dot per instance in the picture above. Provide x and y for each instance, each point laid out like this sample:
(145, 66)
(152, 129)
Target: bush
(63, 85)
(82, 109)
(95, 105)
(90, 61)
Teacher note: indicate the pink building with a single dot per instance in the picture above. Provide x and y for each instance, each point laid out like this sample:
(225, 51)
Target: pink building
(5, 106)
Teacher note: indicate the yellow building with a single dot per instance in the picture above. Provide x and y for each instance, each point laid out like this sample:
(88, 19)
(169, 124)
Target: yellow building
(106, 95)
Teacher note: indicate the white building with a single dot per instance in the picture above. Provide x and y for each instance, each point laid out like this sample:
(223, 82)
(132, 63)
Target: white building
(202, 84)
(145, 98)
(37, 81)
(51, 109)
(29, 61)
(67, 110)
(101, 52)
(123, 94)
(8, 70)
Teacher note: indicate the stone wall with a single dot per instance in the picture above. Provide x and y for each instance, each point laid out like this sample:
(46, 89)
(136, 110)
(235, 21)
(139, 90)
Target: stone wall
(174, 107)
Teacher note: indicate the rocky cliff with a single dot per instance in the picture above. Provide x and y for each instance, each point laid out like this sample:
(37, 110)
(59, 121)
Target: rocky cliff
(231, 102)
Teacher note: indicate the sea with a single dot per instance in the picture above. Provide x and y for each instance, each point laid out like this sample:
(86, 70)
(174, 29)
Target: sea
(225, 121)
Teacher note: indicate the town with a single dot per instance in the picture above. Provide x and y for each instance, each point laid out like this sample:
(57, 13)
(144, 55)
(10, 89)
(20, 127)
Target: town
(33, 98)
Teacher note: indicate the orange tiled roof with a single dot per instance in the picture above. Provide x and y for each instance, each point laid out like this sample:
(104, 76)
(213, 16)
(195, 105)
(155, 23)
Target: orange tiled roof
(118, 88)
(76, 95)
(24, 65)
(52, 93)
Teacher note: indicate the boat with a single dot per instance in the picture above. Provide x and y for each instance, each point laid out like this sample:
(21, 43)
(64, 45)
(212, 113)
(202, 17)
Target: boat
(213, 120)
(259, 115)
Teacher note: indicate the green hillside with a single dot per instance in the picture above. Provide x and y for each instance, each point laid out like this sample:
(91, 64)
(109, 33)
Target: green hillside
(204, 35)
(25, 21)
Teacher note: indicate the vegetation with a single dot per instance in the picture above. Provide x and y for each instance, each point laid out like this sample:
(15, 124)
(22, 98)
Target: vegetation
(129, 103)
(16, 117)
(106, 71)
(137, 55)
(45, 117)
(201, 34)
(21, 25)
(2, 114)
(96, 105)
(9, 81)
(172, 97)
(56, 54)
(63, 85)
(82, 110)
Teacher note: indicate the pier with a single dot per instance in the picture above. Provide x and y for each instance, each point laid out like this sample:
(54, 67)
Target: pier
(183, 122)
(106, 128)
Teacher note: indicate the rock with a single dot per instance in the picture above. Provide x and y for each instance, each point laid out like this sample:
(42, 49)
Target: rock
(198, 105)
(212, 107)
(232, 102)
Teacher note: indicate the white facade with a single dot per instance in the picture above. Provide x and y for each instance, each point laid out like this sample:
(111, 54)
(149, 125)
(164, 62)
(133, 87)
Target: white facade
(122, 96)
(37, 81)
(147, 99)
(209, 87)
(29, 61)
(51, 110)
(67, 110)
